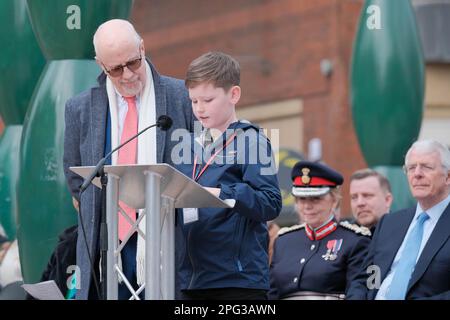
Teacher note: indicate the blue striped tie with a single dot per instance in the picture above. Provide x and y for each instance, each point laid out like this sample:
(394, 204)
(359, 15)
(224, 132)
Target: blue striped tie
(407, 262)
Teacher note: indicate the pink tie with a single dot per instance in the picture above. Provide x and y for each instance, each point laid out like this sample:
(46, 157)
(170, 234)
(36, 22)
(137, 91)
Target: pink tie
(127, 155)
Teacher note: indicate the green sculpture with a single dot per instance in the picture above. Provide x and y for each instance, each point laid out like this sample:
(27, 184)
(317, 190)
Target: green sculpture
(9, 157)
(21, 64)
(387, 81)
(64, 29)
(387, 89)
(21, 61)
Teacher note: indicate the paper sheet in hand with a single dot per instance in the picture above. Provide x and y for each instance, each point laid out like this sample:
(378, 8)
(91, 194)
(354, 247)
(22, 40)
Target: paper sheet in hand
(47, 290)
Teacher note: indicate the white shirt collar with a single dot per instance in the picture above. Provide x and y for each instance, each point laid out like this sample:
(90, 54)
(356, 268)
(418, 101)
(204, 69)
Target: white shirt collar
(434, 212)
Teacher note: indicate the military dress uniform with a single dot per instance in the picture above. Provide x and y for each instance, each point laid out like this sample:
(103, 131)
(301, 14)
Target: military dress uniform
(316, 263)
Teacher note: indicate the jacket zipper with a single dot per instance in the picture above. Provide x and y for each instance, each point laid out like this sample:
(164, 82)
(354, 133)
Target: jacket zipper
(238, 245)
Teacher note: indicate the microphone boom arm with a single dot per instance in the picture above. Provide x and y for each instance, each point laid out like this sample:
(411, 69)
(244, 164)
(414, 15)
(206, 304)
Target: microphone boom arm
(164, 122)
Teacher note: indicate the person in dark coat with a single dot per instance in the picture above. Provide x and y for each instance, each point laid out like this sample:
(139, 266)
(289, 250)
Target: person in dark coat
(319, 258)
(61, 266)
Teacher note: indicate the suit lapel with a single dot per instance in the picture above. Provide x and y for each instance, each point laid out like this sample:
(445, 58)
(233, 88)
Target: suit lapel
(394, 233)
(437, 238)
(396, 236)
(99, 107)
(161, 109)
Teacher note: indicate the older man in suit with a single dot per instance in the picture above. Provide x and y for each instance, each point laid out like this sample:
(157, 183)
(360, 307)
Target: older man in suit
(130, 96)
(409, 256)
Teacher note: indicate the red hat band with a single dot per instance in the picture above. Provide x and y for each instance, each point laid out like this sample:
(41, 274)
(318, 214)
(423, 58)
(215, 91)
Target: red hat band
(314, 182)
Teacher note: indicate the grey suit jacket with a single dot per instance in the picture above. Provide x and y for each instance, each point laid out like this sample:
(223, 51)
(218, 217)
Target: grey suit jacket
(84, 144)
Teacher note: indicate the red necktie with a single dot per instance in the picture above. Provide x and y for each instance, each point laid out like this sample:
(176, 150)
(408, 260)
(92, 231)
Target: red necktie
(128, 155)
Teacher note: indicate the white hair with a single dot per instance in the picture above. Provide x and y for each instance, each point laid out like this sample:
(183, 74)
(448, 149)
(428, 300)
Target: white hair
(431, 146)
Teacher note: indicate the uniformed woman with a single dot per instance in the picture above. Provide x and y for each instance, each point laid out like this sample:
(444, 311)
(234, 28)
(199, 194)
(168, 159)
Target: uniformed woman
(319, 258)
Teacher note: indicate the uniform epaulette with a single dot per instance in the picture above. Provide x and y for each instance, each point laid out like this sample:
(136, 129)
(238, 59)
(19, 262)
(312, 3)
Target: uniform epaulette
(356, 228)
(291, 228)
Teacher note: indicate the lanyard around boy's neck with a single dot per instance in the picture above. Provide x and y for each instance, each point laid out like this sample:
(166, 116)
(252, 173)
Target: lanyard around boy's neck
(195, 174)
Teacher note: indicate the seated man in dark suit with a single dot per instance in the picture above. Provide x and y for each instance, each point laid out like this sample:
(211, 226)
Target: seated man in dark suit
(409, 256)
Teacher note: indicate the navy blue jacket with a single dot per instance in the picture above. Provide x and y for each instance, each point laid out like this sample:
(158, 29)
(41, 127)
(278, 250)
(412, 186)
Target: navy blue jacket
(227, 248)
(431, 276)
(299, 264)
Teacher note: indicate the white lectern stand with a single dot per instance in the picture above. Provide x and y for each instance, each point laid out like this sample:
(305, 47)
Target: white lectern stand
(159, 189)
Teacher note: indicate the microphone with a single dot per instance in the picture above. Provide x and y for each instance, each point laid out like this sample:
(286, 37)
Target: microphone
(164, 122)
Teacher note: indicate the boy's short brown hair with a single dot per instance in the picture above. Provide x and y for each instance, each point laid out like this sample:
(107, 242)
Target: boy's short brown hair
(217, 68)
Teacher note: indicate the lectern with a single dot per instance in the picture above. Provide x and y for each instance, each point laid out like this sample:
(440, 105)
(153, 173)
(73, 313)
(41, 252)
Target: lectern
(158, 189)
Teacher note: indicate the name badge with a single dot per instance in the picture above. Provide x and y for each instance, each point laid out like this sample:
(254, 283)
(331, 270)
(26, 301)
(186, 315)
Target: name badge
(190, 215)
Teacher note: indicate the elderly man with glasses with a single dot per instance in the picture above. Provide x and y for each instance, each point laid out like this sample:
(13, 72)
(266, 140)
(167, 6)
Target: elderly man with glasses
(130, 96)
(409, 256)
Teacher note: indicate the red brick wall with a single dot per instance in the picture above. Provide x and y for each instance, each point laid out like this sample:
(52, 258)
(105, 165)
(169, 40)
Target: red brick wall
(279, 44)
